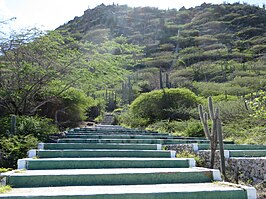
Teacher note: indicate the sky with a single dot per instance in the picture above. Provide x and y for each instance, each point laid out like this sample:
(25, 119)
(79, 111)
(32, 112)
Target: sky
(50, 14)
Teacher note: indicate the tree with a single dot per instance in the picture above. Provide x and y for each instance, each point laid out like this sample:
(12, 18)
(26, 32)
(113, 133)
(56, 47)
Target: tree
(4, 22)
(37, 69)
(30, 63)
(258, 105)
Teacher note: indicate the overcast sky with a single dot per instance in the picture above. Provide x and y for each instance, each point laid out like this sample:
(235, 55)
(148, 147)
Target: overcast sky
(49, 14)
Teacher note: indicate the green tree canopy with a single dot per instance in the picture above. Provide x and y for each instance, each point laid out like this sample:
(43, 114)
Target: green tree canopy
(38, 69)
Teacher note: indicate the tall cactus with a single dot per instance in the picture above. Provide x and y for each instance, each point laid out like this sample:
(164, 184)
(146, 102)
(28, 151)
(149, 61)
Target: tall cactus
(13, 124)
(211, 134)
(221, 143)
(161, 78)
(167, 81)
(214, 132)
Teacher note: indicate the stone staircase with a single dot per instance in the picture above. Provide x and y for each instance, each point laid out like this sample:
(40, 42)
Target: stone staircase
(113, 162)
(108, 119)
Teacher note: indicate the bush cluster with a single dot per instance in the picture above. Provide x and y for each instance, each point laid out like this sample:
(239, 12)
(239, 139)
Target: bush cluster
(29, 131)
(165, 104)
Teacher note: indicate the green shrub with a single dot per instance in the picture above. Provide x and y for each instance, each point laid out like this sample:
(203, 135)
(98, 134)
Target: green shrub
(246, 131)
(224, 97)
(190, 128)
(5, 126)
(96, 109)
(14, 148)
(194, 129)
(232, 110)
(3, 170)
(258, 105)
(4, 189)
(127, 119)
(207, 89)
(76, 104)
(166, 126)
(172, 104)
(39, 127)
(185, 154)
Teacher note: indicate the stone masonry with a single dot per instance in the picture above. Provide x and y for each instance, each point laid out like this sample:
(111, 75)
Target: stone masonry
(252, 170)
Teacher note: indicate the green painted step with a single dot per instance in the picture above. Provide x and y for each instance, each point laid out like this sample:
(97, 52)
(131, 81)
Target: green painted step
(118, 136)
(113, 132)
(140, 141)
(95, 128)
(154, 191)
(135, 141)
(100, 153)
(103, 163)
(128, 136)
(92, 177)
(247, 153)
(53, 146)
(241, 153)
(234, 147)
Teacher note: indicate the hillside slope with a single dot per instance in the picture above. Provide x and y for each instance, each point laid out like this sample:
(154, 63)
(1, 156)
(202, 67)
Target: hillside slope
(208, 43)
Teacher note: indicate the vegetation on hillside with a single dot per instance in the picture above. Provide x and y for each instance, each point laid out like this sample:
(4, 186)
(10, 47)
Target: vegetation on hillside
(50, 81)
(119, 57)
(166, 104)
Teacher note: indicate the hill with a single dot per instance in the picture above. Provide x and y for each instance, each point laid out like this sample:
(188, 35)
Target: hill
(209, 43)
(118, 54)
(213, 50)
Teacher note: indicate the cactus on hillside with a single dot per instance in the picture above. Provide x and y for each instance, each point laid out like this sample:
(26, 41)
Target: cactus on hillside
(13, 124)
(161, 78)
(215, 131)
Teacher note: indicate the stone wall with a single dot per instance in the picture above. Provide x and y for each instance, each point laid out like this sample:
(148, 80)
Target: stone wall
(180, 147)
(252, 170)
(249, 168)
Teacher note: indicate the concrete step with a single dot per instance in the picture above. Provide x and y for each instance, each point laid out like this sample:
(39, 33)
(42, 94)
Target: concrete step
(134, 141)
(54, 146)
(108, 119)
(105, 132)
(92, 177)
(128, 136)
(154, 191)
(110, 126)
(114, 136)
(139, 141)
(86, 153)
(240, 153)
(103, 163)
(202, 146)
(247, 153)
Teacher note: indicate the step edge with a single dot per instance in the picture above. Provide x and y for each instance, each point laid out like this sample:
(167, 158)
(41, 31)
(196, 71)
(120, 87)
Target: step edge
(251, 191)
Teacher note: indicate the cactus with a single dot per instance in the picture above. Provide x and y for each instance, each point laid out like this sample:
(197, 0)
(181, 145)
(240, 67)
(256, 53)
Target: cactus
(221, 143)
(214, 132)
(167, 81)
(210, 134)
(13, 124)
(161, 78)
(130, 91)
